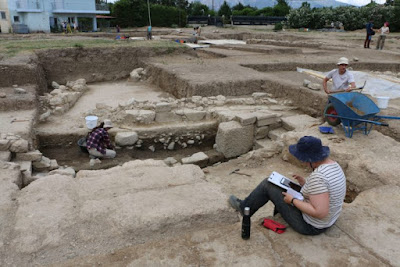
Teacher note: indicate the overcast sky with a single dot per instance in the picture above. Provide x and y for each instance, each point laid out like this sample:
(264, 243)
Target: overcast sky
(361, 2)
(353, 2)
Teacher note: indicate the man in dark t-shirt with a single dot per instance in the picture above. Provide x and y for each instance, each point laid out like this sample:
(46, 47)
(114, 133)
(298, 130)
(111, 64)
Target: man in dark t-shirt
(370, 31)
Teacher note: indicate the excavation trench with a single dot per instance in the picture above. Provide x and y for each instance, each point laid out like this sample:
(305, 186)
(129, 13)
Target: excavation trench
(64, 65)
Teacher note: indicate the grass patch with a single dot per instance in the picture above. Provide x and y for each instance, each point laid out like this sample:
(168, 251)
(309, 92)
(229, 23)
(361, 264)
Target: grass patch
(10, 48)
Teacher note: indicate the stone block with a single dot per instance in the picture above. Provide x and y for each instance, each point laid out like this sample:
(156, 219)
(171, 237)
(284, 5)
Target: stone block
(225, 116)
(262, 132)
(199, 159)
(5, 155)
(258, 95)
(53, 164)
(4, 145)
(299, 122)
(194, 115)
(246, 118)
(163, 107)
(20, 145)
(234, 139)
(64, 171)
(163, 117)
(25, 165)
(276, 134)
(43, 164)
(264, 119)
(126, 138)
(140, 116)
(29, 156)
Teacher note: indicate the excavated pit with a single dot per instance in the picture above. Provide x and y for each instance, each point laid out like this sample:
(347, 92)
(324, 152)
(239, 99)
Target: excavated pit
(175, 81)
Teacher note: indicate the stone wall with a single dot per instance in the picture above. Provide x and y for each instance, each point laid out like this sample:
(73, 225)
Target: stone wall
(96, 64)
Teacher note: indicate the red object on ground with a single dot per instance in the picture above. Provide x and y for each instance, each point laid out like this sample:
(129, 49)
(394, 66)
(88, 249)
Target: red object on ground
(274, 226)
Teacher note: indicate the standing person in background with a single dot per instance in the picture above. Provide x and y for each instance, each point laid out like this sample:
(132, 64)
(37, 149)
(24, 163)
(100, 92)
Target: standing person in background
(118, 28)
(381, 39)
(149, 32)
(69, 30)
(64, 26)
(75, 26)
(370, 31)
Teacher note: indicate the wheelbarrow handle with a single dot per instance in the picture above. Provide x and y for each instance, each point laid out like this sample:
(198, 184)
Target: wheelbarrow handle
(388, 117)
(360, 120)
(357, 88)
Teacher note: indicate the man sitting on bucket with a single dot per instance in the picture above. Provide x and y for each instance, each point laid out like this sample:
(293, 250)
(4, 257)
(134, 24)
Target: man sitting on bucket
(343, 80)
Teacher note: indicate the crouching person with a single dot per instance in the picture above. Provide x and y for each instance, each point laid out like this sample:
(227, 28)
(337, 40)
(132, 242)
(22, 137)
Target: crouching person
(98, 142)
(323, 191)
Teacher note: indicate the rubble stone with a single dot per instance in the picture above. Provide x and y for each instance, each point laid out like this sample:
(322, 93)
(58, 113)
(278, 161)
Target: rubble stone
(20, 145)
(64, 171)
(262, 132)
(4, 145)
(126, 138)
(5, 155)
(29, 156)
(199, 158)
(41, 165)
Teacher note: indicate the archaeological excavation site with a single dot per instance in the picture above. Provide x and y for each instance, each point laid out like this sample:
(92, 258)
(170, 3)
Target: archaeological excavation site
(190, 126)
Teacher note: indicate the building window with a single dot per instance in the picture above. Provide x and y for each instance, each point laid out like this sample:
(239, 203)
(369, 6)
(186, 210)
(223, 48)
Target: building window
(16, 18)
(2, 15)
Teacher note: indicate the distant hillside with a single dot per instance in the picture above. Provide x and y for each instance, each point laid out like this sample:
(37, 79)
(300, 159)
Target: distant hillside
(264, 3)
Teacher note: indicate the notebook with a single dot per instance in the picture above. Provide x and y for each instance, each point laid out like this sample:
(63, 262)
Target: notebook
(291, 187)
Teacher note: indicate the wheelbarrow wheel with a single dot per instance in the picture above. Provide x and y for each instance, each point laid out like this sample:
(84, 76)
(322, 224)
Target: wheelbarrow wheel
(330, 109)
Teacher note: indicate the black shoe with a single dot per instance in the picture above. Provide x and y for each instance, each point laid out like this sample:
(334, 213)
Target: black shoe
(235, 203)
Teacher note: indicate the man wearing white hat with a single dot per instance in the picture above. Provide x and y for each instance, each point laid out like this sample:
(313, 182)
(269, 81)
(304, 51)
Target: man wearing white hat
(98, 142)
(343, 80)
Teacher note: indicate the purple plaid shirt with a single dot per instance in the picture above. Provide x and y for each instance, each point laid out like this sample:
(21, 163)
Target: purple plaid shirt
(100, 140)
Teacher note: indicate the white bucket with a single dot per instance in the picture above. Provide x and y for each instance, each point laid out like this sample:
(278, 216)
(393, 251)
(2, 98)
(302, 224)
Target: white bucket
(91, 121)
(382, 101)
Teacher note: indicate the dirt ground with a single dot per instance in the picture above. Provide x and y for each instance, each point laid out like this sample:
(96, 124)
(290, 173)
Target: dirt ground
(236, 71)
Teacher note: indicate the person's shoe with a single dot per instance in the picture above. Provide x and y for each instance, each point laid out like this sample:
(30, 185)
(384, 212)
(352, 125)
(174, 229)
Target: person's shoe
(235, 203)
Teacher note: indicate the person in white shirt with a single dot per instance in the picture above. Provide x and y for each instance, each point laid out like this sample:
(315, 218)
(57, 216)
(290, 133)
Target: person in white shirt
(381, 39)
(343, 80)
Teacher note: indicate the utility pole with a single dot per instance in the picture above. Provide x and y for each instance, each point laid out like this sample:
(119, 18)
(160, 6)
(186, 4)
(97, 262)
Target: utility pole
(148, 8)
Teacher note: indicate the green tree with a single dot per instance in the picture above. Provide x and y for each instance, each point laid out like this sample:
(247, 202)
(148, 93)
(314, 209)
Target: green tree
(238, 7)
(281, 8)
(130, 13)
(225, 10)
(395, 22)
(198, 9)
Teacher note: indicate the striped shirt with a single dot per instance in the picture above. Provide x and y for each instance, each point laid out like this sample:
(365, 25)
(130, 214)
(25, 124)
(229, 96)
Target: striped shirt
(326, 178)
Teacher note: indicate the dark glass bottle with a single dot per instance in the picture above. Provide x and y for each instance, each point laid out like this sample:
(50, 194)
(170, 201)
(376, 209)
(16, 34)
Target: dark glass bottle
(246, 223)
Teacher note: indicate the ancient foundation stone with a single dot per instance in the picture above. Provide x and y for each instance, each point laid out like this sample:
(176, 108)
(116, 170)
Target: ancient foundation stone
(234, 139)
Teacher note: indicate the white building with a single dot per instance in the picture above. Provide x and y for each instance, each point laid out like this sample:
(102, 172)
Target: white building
(41, 15)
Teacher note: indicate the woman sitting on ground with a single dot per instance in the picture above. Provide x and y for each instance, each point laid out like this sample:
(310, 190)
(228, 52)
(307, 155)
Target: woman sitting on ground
(98, 142)
(324, 191)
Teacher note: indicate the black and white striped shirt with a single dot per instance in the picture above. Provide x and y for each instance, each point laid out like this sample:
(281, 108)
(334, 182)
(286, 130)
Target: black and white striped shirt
(326, 178)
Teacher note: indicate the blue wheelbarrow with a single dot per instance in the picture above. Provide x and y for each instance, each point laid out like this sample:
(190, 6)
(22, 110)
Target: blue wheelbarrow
(355, 111)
